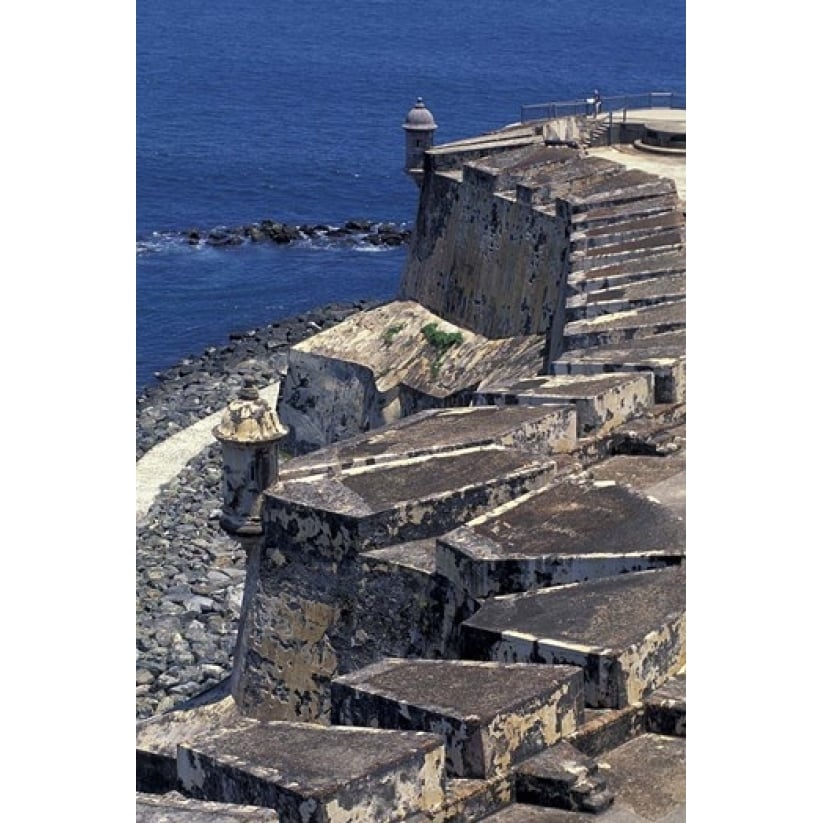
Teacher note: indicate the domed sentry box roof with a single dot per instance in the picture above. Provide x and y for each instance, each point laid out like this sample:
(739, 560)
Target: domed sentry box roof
(249, 419)
(419, 118)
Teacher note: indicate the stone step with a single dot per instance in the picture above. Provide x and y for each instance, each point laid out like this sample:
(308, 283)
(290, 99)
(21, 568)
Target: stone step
(597, 217)
(627, 187)
(439, 431)
(598, 251)
(563, 186)
(651, 292)
(626, 632)
(624, 326)
(371, 507)
(648, 777)
(491, 715)
(159, 736)
(585, 259)
(605, 729)
(629, 226)
(602, 402)
(528, 813)
(662, 477)
(468, 799)
(663, 355)
(597, 278)
(566, 533)
(660, 433)
(562, 777)
(665, 708)
(317, 774)
(177, 808)
(583, 264)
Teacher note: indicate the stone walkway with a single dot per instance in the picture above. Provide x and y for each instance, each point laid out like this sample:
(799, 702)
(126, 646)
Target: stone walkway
(162, 463)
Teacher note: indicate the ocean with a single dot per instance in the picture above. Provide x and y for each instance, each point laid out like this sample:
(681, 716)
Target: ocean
(293, 111)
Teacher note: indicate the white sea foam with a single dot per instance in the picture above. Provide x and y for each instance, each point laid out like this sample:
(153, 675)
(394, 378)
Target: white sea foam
(370, 248)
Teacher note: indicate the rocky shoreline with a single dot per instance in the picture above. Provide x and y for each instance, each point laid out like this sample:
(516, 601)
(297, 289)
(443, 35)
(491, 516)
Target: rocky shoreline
(190, 575)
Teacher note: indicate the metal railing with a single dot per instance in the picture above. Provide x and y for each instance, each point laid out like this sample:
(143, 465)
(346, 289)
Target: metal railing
(611, 105)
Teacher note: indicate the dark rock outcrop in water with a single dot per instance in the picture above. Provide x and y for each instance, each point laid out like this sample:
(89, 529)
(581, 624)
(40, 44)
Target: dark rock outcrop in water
(353, 232)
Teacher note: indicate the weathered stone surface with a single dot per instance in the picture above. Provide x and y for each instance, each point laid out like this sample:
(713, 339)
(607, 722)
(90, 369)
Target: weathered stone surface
(468, 799)
(527, 813)
(308, 591)
(491, 715)
(379, 366)
(641, 472)
(483, 261)
(625, 325)
(176, 808)
(666, 708)
(562, 777)
(648, 775)
(534, 429)
(604, 729)
(602, 401)
(158, 737)
(663, 289)
(664, 355)
(562, 534)
(317, 774)
(627, 632)
(406, 499)
(626, 188)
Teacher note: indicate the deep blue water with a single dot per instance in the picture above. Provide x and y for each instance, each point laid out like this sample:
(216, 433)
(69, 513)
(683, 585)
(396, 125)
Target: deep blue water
(293, 111)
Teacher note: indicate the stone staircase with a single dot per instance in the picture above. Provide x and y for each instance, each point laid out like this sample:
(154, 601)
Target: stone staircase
(595, 133)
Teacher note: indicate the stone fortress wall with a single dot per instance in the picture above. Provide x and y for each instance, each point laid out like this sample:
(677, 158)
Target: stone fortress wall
(482, 540)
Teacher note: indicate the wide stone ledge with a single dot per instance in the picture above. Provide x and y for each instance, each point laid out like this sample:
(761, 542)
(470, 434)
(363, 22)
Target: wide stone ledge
(569, 532)
(438, 431)
(627, 633)
(602, 401)
(644, 473)
(491, 715)
(158, 738)
(317, 774)
(377, 506)
(379, 367)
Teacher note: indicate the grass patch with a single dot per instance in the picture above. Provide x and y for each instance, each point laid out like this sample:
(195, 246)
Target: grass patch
(442, 342)
(392, 332)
